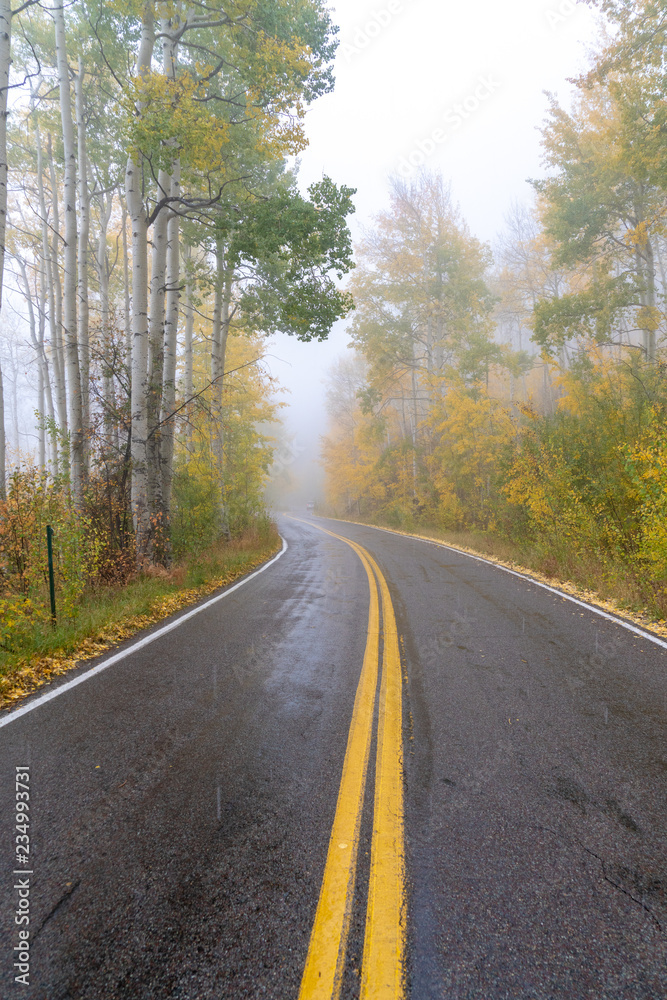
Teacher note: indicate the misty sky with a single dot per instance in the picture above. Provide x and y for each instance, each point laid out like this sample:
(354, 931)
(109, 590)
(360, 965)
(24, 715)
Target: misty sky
(458, 87)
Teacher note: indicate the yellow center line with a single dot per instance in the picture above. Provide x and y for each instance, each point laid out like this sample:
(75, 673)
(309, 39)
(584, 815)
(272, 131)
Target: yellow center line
(322, 977)
(384, 943)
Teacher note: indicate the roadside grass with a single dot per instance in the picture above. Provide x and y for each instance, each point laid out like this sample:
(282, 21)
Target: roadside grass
(596, 578)
(106, 616)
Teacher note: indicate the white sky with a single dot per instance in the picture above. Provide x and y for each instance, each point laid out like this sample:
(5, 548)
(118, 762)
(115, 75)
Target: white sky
(404, 69)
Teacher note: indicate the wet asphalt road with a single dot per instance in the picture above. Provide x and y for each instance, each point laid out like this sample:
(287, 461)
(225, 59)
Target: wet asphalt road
(182, 800)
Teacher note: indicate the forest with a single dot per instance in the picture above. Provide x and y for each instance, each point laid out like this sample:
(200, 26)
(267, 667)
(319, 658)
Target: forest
(333, 499)
(152, 236)
(514, 397)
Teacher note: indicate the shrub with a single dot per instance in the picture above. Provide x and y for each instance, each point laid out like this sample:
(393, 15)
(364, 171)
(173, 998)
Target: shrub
(33, 503)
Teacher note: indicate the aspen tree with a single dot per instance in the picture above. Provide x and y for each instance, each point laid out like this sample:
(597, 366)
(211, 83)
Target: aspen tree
(74, 389)
(172, 298)
(83, 250)
(58, 410)
(222, 315)
(198, 137)
(105, 202)
(5, 61)
(139, 241)
(56, 306)
(36, 325)
(189, 320)
(6, 15)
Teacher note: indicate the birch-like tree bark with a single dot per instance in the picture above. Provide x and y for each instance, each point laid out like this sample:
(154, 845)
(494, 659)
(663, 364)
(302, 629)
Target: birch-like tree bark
(3, 480)
(15, 366)
(83, 253)
(645, 265)
(127, 320)
(6, 15)
(49, 297)
(170, 349)
(156, 346)
(51, 443)
(36, 325)
(5, 61)
(163, 323)
(139, 222)
(102, 263)
(188, 330)
(221, 320)
(70, 260)
(56, 312)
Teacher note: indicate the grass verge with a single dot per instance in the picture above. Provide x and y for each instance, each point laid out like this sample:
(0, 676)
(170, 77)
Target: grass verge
(605, 583)
(107, 616)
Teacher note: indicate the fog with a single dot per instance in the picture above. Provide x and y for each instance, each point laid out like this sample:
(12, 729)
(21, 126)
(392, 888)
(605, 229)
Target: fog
(458, 88)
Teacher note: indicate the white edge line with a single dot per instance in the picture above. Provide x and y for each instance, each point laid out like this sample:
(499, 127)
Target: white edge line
(11, 716)
(522, 576)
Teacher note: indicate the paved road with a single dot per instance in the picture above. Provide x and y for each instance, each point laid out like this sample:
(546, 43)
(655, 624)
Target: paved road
(182, 801)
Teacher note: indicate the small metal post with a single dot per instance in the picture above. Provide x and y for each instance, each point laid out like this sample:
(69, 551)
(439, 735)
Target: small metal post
(52, 586)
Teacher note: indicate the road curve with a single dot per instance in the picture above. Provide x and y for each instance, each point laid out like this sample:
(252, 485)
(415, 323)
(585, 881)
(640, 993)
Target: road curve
(183, 800)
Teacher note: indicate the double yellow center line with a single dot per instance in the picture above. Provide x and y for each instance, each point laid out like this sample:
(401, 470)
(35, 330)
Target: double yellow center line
(384, 940)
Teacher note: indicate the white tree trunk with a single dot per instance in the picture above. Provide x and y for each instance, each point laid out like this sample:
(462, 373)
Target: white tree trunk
(5, 61)
(84, 253)
(48, 295)
(126, 294)
(15, 367)
(139, 393)
(158, 285)
(163, 230)
(221, 320)
(70, 261)
(3, 477)
(36, 330)
(41, 428)
(139, 399)
(170, 349)
(647, 272)
(52, 447)
(102, 262)
(156, 352)
(189, 313)
(34, 337)
(56, 318)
